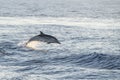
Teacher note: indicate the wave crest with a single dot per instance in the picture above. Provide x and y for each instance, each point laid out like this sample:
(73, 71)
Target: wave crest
(94, 60)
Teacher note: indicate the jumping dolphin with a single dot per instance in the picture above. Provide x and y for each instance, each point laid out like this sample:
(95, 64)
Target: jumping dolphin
(42, 37)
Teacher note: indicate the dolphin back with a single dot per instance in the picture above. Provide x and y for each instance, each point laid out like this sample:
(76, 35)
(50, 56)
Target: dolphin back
(44, 38)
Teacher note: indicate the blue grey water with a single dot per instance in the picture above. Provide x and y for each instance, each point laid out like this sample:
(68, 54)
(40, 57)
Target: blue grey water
(89, 32)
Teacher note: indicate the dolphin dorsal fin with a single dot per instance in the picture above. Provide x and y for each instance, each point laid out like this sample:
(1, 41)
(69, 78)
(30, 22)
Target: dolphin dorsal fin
(41, 33)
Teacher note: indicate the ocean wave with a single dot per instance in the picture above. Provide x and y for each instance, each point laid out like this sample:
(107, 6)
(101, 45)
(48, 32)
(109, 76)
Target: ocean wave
(93, 60)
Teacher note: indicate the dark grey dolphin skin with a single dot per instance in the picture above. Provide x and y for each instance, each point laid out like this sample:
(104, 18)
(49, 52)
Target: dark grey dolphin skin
(44, 38)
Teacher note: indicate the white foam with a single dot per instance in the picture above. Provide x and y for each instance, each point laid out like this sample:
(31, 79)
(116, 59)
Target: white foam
(37, 45)
(82, 22)
(33, 44)
(22, 43)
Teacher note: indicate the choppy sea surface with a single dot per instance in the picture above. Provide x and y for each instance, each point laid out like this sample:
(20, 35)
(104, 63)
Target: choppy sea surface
(89, 32)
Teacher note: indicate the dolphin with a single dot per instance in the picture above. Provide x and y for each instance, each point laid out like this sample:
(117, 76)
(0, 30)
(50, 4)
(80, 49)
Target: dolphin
(42, 37)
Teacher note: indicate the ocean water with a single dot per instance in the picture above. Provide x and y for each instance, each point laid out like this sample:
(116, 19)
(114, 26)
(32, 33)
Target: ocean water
(89, 32)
